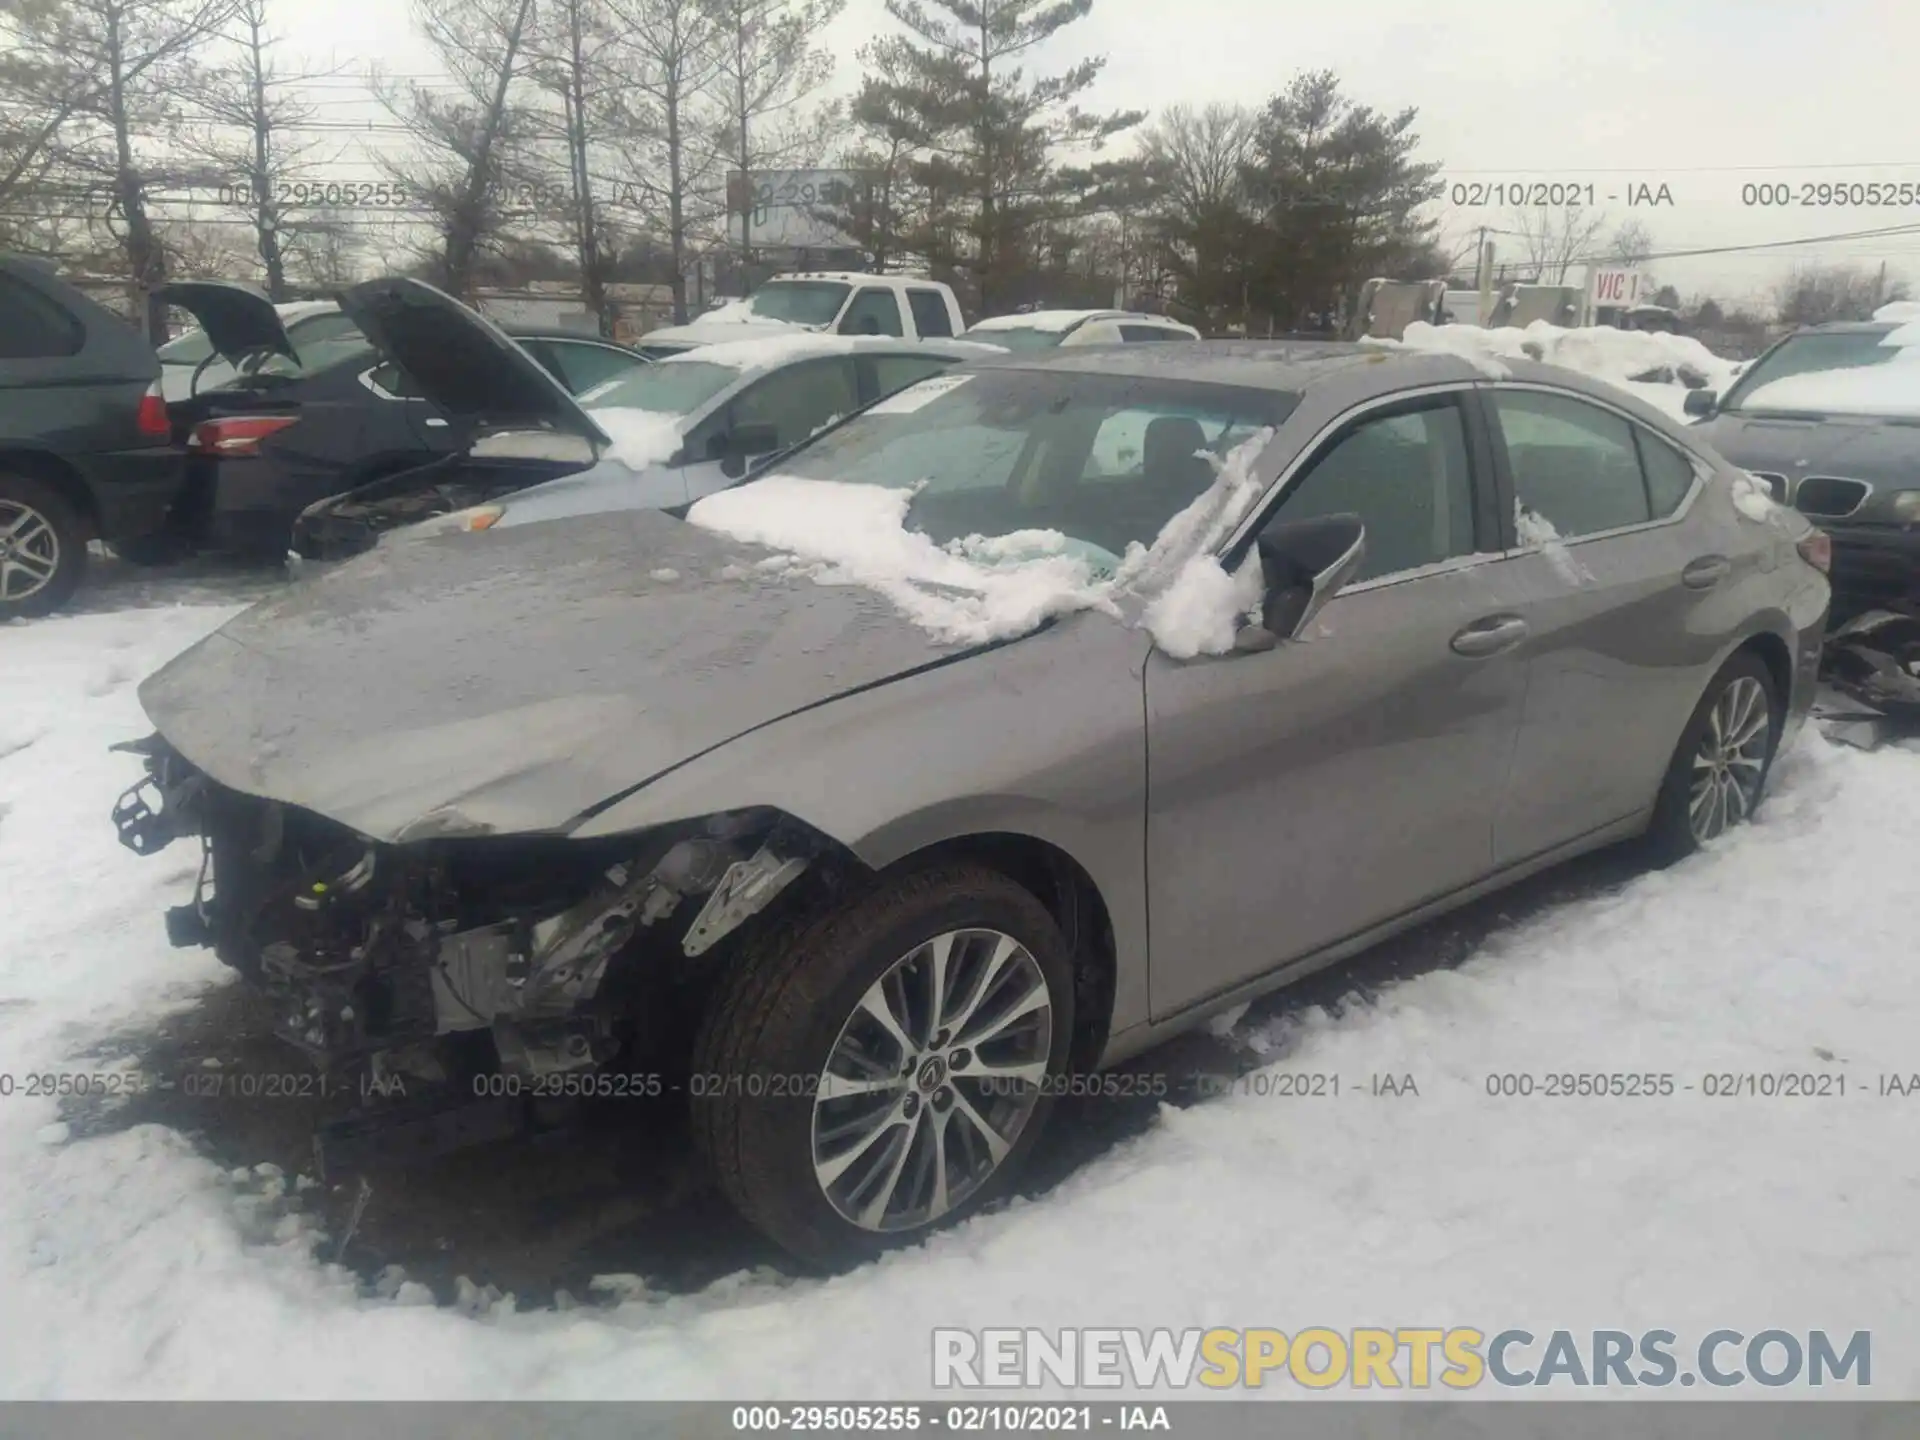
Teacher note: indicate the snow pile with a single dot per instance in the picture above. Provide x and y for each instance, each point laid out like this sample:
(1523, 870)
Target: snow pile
(132, 1267)
(985, 588)
(765, 351)
(1752, 498)
(1601, 351)
(1533, 528)
(640, 437)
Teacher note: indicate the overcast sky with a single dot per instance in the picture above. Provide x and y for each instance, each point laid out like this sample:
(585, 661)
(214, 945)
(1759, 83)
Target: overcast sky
(1701, 96)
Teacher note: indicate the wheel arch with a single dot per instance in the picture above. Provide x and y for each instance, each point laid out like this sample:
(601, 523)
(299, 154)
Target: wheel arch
(50, 469)
(1065, 887)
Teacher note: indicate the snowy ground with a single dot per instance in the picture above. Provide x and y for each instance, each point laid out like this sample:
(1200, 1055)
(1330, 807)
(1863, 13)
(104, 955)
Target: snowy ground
(133, 1264)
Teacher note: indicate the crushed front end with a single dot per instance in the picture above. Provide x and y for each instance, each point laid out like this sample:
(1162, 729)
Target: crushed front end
(451, 979)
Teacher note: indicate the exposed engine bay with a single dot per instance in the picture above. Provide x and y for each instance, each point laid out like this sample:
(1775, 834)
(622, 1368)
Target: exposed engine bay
(392, 960)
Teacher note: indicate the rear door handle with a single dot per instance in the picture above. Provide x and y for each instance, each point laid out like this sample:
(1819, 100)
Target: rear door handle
(1490, 636)
(1706, 572)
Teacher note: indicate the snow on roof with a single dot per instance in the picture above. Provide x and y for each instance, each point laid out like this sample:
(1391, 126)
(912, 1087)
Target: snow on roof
(1039, 320)
(1601, 351)
(1891, 390)
(1900, 310)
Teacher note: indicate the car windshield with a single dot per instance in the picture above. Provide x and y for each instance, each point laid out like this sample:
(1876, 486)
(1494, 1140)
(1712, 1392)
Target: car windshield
(672, 387)
(798, 302)
(1105, 460)
(1804, 354)
(1020, 341)
(188, 349)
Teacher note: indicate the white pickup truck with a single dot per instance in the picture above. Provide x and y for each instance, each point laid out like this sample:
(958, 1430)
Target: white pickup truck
(829, 302)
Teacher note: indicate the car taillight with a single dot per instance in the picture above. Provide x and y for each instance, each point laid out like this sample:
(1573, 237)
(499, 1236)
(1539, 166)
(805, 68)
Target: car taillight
(1817, 550)
(151, 418)
(237, 434)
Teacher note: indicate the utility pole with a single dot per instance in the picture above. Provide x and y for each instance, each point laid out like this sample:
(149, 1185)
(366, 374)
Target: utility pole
(1485, 277)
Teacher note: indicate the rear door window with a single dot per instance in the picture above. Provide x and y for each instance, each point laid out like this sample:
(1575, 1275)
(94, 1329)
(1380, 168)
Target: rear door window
(1669, 473)
(889, 373)
(930, 315)
(1575, 466)
(32, 326)
(1133, 333)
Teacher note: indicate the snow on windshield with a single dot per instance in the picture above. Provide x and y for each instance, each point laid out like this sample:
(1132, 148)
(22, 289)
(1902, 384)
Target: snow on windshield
(1601, 351)
(1891, 389)
(984, 588)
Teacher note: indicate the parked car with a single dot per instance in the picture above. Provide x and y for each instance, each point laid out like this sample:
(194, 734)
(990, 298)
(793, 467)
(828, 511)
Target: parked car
(189, 363)
(827, 302)
(87, 440)
(1829, 420)
(287, 430)
(1033, 330)
(681, 428)
(531, 815)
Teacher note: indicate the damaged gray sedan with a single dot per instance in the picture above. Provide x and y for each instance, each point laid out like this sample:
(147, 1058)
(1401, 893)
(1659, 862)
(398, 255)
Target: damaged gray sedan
(622, 804)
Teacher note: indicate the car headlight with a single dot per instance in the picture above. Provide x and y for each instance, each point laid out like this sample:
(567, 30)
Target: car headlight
(476, 517)
(1906, 506)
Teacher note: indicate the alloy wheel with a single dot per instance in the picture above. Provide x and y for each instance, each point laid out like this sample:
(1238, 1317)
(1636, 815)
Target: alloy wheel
(1731, 760)
(29, 551)
(932, 1080)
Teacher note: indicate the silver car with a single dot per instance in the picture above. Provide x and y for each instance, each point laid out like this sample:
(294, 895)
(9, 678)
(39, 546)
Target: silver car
(620, 805)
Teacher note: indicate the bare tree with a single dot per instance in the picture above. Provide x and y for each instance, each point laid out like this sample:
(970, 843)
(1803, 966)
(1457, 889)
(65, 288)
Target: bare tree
(1818, 294)
(1554, 241)
(473, 141)
(575, 62)
(671, 59)
(253, 111)
(1197, 154)
(122, 72)
(1632, 244)
(768, 66)
(324, 251)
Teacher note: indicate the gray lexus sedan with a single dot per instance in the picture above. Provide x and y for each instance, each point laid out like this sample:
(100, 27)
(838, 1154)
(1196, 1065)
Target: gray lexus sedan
(627, 806)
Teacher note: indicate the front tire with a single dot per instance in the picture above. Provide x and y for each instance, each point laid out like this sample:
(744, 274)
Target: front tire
(1719, 771)
(875, 1072)
(43, 548)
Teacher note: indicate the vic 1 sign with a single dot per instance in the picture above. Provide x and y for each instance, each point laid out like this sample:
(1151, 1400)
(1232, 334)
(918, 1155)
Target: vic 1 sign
(1614, 286)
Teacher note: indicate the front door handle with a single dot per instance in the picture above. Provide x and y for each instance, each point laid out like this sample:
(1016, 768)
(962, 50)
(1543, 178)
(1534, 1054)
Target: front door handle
(1490, 636)
(1706, 572)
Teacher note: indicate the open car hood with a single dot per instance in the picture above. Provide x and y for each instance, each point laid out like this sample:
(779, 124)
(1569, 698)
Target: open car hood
(238, 320)
(509, 682)
(465, 366)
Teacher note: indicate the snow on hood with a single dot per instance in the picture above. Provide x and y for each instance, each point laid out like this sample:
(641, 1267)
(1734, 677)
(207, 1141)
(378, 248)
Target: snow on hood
(1891, 390)
(1900, 311)
(640, 437)
(1601, 351)
(980, 589)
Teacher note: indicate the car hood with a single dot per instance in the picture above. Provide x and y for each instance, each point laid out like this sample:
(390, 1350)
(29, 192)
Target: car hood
(1886, 455)
(465, 365)
(511, 682)
(238, 320)
(609, 485)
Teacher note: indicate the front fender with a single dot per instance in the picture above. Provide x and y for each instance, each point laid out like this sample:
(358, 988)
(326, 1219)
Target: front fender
(1044, 737)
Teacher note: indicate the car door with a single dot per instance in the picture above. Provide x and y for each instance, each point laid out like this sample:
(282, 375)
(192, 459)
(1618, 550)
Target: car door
(792, 403)
(1304, 794)
(873, 311)
(400, 419)
(1615, 570)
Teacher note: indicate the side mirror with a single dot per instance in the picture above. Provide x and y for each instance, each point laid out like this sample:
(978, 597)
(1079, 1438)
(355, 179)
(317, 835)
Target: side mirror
(1305, 562)
(1700, 402)
(733, 448)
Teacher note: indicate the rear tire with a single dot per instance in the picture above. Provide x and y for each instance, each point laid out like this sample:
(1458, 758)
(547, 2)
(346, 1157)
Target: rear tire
(1719, 772)
(840, 1132)
(43, 548)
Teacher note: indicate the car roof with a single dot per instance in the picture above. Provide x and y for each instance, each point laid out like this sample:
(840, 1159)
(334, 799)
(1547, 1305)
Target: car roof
(1850, 327)
(1355, 370)
(767, 351)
